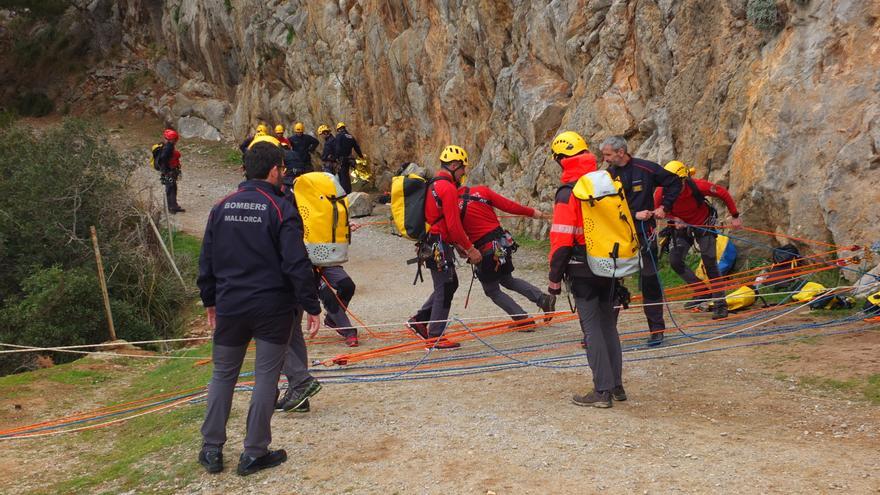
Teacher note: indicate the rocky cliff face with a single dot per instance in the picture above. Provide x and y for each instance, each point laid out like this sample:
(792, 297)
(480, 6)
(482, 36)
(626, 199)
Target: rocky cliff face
(788, 118)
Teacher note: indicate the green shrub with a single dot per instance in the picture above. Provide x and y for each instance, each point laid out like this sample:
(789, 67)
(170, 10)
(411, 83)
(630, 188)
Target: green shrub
(33, 104)
(763, 14)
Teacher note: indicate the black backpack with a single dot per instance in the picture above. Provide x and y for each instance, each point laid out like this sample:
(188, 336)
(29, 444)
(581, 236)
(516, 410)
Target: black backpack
(155, 150)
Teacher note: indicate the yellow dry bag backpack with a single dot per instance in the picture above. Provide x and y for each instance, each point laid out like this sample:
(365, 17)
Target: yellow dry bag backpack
(323, 206)
(408, 194)
(609, 232)
(872, 304)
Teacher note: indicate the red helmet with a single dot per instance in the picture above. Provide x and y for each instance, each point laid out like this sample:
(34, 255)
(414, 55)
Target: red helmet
(171, 135)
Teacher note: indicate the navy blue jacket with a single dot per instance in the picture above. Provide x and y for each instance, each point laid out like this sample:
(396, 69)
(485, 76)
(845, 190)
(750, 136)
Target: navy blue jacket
(163, 161)
(639, 179)
(253, 261)
(344, 143)
(303, 146)
(328, 154)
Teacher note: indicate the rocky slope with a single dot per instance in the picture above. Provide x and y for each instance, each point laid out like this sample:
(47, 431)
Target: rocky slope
(787, 116)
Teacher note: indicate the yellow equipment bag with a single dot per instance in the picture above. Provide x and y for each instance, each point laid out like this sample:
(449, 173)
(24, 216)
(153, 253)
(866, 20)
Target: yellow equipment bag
(809, 291)
(323, 207)
(609, 232)
(408, 194)
(725, 256)
(872, 303)
(741, 298)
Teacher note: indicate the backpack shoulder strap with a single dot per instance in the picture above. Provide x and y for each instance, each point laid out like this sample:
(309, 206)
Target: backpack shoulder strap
(698, 196)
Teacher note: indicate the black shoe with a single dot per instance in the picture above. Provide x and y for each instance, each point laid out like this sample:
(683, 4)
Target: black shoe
(694, 304)
(522, 326)
(418, 328)
(294, 399)
(250, 465)
(212, 460)
(720, 312)
(177, 209)
(547, 304)
(656, 338)
(618, 393)
(303, 408)
(593, 399)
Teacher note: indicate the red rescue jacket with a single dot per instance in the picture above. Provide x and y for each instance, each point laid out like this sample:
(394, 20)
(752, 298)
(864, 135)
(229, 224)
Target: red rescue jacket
(448, 222)
(479, 217)
(687, 207)
(567, 231)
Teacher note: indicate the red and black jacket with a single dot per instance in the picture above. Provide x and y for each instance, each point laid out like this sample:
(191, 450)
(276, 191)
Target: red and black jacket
(691, 207)
(567, 231)
(442, 192)
(477, 205)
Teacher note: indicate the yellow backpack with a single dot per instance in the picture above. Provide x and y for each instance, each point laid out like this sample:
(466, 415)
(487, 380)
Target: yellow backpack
(609, 232)
(741, 298)
(408, 194)
(323, 206)
(809, 291)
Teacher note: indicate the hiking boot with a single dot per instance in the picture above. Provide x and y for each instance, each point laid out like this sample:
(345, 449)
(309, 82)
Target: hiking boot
(177, 209)
(618, 393)
(212, 460)
(522, 326)
(294, 398)
(443, 344)
(303, 408)
(720, 312)
(418, 328)
(593, 399)
(655, 339)
(352, 341)
(250, 465)
(693, 304)
(547, 305)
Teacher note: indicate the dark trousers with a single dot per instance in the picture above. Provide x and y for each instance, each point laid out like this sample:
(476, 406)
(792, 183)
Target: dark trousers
(296, 357)
(437, 305)
(344, 174)
(649, 283)
(341, 285)
(682, 241)
(171, 193)
(598, 318)
(227, 366)
(493, 291)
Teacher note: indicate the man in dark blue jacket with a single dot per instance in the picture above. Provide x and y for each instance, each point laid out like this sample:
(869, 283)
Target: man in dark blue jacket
(328, 153)
(254, 272)
(640, 178)
(344, 144)
(303, 145)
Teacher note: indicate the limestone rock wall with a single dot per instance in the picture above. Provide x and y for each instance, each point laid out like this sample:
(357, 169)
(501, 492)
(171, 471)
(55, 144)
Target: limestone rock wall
(789, 119)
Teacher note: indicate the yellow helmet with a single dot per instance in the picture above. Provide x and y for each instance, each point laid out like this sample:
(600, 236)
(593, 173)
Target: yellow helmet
(452, 153)
(299, 127)
(568, 143)
(323, 128)
(678, 168)
(279, 129)
(264, 138)
(340, 125)
(262, 129)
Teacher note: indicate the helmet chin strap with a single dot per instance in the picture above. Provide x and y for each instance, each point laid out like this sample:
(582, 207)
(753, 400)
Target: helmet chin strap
(451, 172)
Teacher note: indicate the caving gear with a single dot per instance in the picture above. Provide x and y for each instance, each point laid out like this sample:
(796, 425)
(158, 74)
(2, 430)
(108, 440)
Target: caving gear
(678, 168)
(612, 246)
(808, 292)
(821, 297)
(171, 135)
(323, 128)
(155, 150)
(299, 127)
(741, 298)
(408, 205)
(279, 129)
(262, 129)
(872, 304)
(725, 254)
(568, 143)
(340, 125)
(263, 138)
(453, 153)
(323, 206)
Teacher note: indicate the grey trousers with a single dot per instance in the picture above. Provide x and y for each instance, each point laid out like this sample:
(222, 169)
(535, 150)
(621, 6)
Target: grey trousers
(598, 320)
(681, 244)
(505, 302)
(344, 288)
(227, 366)
(296, 357)
(437, 305)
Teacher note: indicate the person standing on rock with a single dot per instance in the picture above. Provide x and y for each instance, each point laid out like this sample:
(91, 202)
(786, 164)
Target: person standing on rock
(344, 143)
(328, 153)
(279, 135)
(640, 178)
(593, 295)
(444, 236)
(303, 145)
(168, 163)
(253, 272)
(497, 246)
(691, 208)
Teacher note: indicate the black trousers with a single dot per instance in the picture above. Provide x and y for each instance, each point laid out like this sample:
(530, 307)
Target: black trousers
(171, 193)
(649, 283)
(344, 173)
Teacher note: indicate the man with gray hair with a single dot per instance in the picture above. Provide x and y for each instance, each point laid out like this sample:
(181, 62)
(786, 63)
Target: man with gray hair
(640, 178)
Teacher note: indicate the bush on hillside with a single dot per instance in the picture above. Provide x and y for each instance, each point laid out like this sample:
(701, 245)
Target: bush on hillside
(55, 185)
(763, 14)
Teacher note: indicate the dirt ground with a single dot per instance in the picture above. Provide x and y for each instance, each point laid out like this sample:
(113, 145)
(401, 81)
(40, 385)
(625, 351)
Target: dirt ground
(731, 421)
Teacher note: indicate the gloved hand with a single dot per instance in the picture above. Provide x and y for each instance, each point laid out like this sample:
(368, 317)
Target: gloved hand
(474, 256)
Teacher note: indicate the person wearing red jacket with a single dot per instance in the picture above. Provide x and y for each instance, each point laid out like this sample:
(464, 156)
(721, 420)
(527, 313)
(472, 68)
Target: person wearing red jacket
(691, 208)
(279, 135)
(592, 294)
(477, 205)
(447, 234)
(168, 163)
